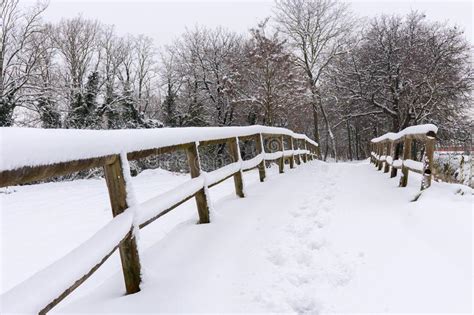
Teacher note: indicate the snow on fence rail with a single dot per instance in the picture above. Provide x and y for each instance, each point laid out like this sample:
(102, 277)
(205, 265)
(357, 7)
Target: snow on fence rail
(36, 154)
(386, 151)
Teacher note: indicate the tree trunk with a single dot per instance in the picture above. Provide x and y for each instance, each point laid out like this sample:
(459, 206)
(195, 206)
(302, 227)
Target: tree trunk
(349, 139)
(315, 123)
(329, 131)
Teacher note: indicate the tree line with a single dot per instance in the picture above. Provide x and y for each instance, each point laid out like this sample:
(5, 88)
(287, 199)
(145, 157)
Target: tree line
(313, 67)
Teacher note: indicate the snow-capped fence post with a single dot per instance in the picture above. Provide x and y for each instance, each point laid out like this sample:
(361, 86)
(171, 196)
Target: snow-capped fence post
(406, 155)
(396, 154)
(302, 155)
(380, 165)
(377, 153)
(281, 161)
(235, 155)
(115, 179)
(195, 171)
(389, 153)
(292, 148)
(260, 150)
(371, 149)
(306, 154)
(374, 149)
(296, 147)
(428, 163)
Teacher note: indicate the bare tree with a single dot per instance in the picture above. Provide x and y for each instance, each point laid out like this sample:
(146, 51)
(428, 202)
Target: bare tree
(404, 71)
(266, 82)
(44, 87)
(205, 57)
(18, 54)
(171, 82)
(411, 70)
(146, 70)
(317, 30)
(77, 41)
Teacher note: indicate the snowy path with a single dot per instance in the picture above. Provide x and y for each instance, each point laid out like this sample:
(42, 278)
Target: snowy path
(320, 238)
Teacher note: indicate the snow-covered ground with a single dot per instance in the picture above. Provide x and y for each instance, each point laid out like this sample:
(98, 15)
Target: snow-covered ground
(323, 237)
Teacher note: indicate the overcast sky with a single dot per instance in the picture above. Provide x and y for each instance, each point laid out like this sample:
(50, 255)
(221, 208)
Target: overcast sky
(165, 20)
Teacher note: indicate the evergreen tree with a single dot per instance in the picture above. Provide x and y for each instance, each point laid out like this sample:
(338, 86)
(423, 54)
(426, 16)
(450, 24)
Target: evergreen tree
(50, 117)
(169, 108)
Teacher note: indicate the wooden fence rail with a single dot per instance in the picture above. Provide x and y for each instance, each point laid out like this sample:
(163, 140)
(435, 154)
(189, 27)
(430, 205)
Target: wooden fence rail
(62, 277)
(386, 153)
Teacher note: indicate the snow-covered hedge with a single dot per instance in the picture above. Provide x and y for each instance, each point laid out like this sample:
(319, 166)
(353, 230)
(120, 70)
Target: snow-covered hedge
(34, 147)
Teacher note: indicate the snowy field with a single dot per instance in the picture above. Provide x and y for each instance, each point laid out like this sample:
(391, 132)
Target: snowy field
(323, 237)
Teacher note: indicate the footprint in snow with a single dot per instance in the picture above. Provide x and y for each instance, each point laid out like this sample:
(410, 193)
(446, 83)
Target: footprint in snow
(304, 303)
(295, 213)
(304, 206)
(326, 208)
(328, 197)
(316, 244)
(321, 221)
(276, 257)
(304, 258)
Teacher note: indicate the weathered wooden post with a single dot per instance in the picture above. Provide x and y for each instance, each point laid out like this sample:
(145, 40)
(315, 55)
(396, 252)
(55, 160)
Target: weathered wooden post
(389, 153)
(292, 157)
(380, 156)
(310, 151)
(306, 148)
(234, 151)
(114, 177)
(396, 156)
(281, 161)
(296, 146)
(260, 150)
(303, 156)
(406, 155)
(195, 170)
(428, 163)
(376, 151)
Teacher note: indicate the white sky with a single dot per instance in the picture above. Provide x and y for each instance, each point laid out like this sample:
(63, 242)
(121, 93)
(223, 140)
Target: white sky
(166, 20)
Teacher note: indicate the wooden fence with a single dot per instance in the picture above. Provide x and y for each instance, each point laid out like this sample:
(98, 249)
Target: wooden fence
(393, 151)
(62, 277)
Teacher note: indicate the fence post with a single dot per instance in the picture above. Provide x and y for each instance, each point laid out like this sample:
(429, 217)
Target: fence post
(304, 154)
(380, 156)
(396, 155)
(296, 145)
(260, 150)
(371, 158)
(376, 145)
(235, 154)
(428, 164)
(376, 151)
(406, 156)
(195, 170)
(389, 153)
(292, 157)
(281, 161)
(310, 151)
(306, 148)
(116, 185)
